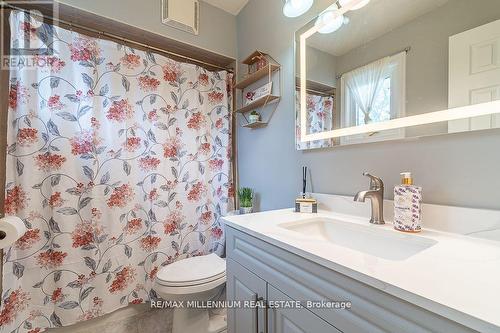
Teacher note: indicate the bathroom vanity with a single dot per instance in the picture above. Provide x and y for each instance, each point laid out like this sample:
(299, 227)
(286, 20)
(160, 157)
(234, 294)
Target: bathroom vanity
(434, 281)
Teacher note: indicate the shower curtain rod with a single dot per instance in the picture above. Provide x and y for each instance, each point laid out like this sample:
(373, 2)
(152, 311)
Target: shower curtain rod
(406, 50)
(317, 92)
(115, 37)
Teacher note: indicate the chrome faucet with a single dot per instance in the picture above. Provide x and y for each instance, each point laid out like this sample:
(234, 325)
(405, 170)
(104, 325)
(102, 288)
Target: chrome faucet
(376, 196)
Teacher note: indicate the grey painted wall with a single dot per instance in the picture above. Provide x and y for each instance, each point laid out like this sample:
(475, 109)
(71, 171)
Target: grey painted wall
(217, 27)
(321, 67)
(457, 169)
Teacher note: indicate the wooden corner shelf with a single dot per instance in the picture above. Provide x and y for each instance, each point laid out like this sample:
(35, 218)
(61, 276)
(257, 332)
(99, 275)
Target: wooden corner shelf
(266, 70)
(255, 124)
(260, 67)
(258, 103)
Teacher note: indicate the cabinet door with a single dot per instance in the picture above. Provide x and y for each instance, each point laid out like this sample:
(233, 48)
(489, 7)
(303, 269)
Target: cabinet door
(244, 286)
(293, 320)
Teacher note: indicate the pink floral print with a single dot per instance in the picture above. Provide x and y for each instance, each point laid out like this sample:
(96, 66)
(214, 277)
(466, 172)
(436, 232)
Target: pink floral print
(147, 83)
(83, 142)
(131, 61)
(196, 121)
(16, 302)
(123, 279)
(320, 113)
(120, 111)
(84, 49)
(26, 241)
(27, 136)
(171, 71)
(15, 200)
(121, 196)
(55, 103)
(149, 163)
(49, 162)
(18, 94)
(132, 144)
(197, 191)
(150, 243)
(133, 226)
(56, 200)
(171, 147)
(51, 259)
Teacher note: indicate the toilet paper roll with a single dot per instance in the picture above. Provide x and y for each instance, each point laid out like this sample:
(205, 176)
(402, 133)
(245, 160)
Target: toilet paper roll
(11, 229)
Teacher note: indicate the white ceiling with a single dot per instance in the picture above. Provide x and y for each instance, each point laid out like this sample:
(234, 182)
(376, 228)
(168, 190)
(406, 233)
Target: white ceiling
(371, 22)
(230, 6)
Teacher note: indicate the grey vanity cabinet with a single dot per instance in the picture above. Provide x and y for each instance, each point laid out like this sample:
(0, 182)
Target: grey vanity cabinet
(244, 286)
(258, 269)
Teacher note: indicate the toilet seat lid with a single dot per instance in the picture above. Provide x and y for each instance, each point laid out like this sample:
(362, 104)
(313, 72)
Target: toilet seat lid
(191, 271)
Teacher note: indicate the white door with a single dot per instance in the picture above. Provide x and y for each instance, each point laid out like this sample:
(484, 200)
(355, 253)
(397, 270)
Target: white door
(474, 74)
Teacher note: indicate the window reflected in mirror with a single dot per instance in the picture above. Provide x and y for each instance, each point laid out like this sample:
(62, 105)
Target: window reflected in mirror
(393, 59)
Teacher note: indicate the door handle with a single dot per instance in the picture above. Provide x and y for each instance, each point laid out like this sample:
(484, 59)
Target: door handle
(261, 315)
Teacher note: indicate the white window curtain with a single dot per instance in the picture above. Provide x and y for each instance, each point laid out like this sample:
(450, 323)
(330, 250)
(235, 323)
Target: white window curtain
(361, 103)
(364, 84)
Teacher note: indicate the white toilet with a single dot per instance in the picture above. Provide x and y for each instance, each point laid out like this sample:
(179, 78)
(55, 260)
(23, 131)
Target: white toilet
(194, 279)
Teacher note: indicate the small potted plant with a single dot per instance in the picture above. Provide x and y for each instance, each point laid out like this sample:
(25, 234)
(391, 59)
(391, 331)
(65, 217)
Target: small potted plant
(245, 195)
(254, 116)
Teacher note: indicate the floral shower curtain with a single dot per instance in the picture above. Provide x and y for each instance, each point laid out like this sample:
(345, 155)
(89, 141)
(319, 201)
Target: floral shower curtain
(320, 117)
(118, 163)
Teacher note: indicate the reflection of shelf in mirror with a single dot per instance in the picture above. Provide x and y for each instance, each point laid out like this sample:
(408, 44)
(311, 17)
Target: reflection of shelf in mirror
(252, 78)
(255, 124)
(258, 103)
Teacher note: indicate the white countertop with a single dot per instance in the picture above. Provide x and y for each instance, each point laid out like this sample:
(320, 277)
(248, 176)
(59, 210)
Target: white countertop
(457, 278)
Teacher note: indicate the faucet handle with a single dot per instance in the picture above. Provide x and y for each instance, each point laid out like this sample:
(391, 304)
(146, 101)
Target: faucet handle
(375, 182)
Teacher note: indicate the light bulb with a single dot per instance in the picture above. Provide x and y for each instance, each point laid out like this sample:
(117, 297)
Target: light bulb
(326, 23)
(294, 8)
(363, 3)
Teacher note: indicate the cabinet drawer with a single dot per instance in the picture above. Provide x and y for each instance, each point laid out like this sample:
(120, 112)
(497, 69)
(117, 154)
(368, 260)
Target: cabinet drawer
(372, 311)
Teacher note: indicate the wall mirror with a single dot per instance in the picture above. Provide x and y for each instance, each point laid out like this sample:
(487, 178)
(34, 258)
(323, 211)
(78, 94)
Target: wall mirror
(374, 70)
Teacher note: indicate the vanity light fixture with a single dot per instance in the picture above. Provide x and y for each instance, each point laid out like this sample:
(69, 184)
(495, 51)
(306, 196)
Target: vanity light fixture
(363, 3)
(328, 21)
(294, 8)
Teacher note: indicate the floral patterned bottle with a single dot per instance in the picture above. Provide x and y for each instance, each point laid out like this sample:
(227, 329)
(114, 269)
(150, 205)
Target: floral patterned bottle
(407, 205)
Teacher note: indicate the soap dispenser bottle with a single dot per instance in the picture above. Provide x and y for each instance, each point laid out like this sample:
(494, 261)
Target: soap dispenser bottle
(407, 205)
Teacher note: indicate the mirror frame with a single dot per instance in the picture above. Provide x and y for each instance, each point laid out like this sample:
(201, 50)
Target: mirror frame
(421, 119)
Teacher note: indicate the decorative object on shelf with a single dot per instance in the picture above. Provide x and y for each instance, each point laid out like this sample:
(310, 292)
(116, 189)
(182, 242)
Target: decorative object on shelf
(259, 66)
(261, 62)
(256, 61)
(258, 93)
(254, 116)
(249, 97)
(245, 195)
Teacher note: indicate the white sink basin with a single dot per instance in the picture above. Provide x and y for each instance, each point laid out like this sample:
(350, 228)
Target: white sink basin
(369, 239)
